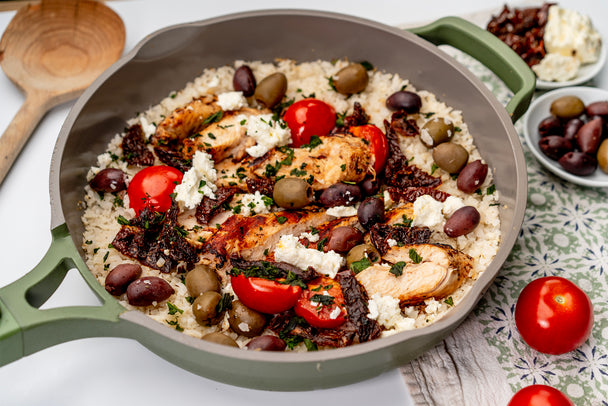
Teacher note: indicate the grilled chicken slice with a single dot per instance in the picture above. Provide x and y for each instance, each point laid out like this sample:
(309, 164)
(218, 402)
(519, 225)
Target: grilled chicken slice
(440, 272)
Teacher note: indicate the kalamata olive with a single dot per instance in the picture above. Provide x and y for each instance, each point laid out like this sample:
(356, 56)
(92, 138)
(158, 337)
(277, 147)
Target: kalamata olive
(200, 280)
(571, 128)
(340, 194)
(245, 321)
(554, 146)
(589, 136)
(567, 107)
(244, 81)
(461, 222)
(220, 338)
(369, 186)
(109, 180)
(472, 176)
(409, 102)
(351, 79)
(602, 156)
(436, 131)
(120, 277)
(266, 343)
(343, 239)
(271, 89)
(147, 290)
(370, 212)
(550, 126)
(598, 108)
(578, 163)
(205, 308)
(358, 252)
(450, 157)
(292, 193)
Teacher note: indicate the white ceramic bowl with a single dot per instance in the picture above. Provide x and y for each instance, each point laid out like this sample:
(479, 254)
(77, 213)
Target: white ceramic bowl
(539, 109)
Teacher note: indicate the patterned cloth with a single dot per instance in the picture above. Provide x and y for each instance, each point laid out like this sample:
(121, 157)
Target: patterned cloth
(563, 234)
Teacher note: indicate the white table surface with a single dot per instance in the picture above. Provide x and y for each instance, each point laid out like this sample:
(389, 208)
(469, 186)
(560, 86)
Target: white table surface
(102, 371)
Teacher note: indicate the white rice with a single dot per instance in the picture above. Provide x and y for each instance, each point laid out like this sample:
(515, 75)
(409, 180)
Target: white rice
(101, 214)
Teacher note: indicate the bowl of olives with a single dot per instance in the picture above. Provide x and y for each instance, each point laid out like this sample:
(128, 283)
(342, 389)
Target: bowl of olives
(567, 131)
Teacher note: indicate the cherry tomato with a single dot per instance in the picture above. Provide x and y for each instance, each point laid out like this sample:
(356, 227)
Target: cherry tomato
(320, 309)
(309, 117)
(553, 315)
(539, 395)
(152, 187)
(265, 295)
(377, 142)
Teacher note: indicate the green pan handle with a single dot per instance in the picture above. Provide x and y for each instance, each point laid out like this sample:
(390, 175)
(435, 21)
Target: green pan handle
(25, 329)
(490, 51)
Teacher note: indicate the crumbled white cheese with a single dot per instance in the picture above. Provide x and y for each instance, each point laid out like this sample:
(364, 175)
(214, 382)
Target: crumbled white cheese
(310, 236)
(231, 101)
(148, 128)
(388, 201)
(289, 250)
(342, 211)
(267, 133)
(451, 204)
(335, 313)
(570, 33)
(253, 203)
(557, 68)
(391, 242)
(427, 212)
(244, 327)
(385, 310)
(198, 181)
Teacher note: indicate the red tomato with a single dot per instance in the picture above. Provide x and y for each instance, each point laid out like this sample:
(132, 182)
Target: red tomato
(540, 395)
(317, 314)
(553, 315)
(152, 186)
(377, 142)
(265, 295)
(309, 117)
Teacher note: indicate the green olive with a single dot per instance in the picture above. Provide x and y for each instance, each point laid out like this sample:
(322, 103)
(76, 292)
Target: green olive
(204, 308)
(602, 156)
(271, 89)
(351, 79)
(200, 280)
(450, 157)
(292, 193)
(567, 107)
(358, 252)
(436, 131)
(245, 321)
(220, 338)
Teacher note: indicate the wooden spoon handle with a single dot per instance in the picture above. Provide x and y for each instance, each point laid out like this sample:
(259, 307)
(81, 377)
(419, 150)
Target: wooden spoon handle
(20, 129)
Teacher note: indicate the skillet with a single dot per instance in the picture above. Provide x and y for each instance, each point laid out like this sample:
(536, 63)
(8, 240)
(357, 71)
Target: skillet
(166, 61)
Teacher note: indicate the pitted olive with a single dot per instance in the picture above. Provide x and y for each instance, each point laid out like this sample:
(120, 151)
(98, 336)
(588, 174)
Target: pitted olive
(358, 252)
(244, 81)
(245, 321)
(271, 89)
(462, 221)
(109, 180)
(578, 163)
(200, 280)
(550, 126)
(343, 239)
(436, 131)
(602, 156)
(120, 277)
(204, 308)
(409, 102)
(220, 338)
(567, 107)
(370, 212)
(340, 194)
(292, 193)
(351, 79)
(450, 157)
(148, 290)
(266, 343)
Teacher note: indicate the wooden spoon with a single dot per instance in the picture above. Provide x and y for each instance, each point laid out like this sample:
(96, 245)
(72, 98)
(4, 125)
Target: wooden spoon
(53, 50)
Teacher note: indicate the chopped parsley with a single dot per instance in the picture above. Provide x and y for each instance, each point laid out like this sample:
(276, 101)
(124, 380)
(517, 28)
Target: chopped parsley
(175, 324)
(360, 265)
(414, 256)
(449, 301)
(225, 303)
(315, 141)
(321, 244)
(397, 268)
(281, 219)
(123, 221)
(323, 300)
(491, 189)
(434, 167)
(173, 309)
(214, 118)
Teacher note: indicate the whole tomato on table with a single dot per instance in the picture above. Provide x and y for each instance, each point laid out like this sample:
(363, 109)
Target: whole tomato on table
(553, 315)
(539, 395)
(152, 187)
(309, 117)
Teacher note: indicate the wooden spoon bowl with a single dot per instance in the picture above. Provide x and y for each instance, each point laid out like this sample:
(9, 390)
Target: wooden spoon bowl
(54, 50)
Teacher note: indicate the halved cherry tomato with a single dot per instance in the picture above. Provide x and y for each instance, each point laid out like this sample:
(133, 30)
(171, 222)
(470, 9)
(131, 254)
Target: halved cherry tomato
(377, 143)
(322, 304)
(265, 295)
(309, 117)
(152, 187)
(553, 315)
(540, 395)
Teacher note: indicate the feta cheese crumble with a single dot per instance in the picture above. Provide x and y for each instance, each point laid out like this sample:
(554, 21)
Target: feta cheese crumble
(342, 211)
(427, 212)
(267, 133)
(385, 310)
(198, 181)
(253, 203)
(231, 101)
(290, 250)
